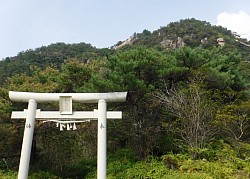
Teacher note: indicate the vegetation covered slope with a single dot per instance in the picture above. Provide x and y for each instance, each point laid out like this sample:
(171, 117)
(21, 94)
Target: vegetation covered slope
(187, 114)
(52, 55)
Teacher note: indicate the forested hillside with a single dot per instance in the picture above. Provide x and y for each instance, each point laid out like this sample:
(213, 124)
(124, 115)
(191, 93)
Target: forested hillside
(187, 114)
(52, 55)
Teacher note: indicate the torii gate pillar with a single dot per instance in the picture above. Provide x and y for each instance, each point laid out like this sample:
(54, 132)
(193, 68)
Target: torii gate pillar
(102, 140)
(27, 140)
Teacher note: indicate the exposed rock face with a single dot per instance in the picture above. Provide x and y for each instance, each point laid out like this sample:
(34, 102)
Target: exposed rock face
(180, 43)
(248, 45)
(128, 41)
(221, 42)
(168, 43)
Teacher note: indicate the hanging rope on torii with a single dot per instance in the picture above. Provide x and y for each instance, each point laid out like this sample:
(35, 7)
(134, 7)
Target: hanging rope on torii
(63, 117)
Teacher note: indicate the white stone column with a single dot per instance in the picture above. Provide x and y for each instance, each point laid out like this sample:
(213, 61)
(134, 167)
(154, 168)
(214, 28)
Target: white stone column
(102, 140)
(27, 140)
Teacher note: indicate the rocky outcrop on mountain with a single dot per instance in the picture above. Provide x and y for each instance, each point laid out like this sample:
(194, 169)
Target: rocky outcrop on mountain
(167, 43)
(221, 42)
(171, 44)
(247, 45)
(130, 41)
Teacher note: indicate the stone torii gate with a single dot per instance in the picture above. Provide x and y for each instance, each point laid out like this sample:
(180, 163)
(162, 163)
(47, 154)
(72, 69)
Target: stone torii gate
(65, 113)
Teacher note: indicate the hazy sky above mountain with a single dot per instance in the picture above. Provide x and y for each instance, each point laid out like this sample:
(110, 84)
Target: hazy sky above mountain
(29, 24)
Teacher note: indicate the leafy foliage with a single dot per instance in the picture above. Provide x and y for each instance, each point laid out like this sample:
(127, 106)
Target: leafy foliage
(224, 164)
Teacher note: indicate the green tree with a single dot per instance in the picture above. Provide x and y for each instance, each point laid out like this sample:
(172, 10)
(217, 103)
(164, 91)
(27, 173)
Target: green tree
(140, 71)
(39, 81)
(234, 119)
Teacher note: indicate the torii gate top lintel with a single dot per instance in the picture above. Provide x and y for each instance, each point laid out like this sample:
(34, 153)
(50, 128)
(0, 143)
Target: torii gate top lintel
(77, 97)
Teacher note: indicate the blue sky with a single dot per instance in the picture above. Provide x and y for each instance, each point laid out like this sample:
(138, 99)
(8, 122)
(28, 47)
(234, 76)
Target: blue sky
(29, 24)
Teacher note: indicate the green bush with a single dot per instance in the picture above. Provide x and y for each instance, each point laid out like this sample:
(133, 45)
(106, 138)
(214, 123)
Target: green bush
(43, 175)
(8, 174)
(220, 160)
(79, 170)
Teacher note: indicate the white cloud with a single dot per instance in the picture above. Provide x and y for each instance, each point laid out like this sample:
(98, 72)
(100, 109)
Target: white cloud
(236, 22)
